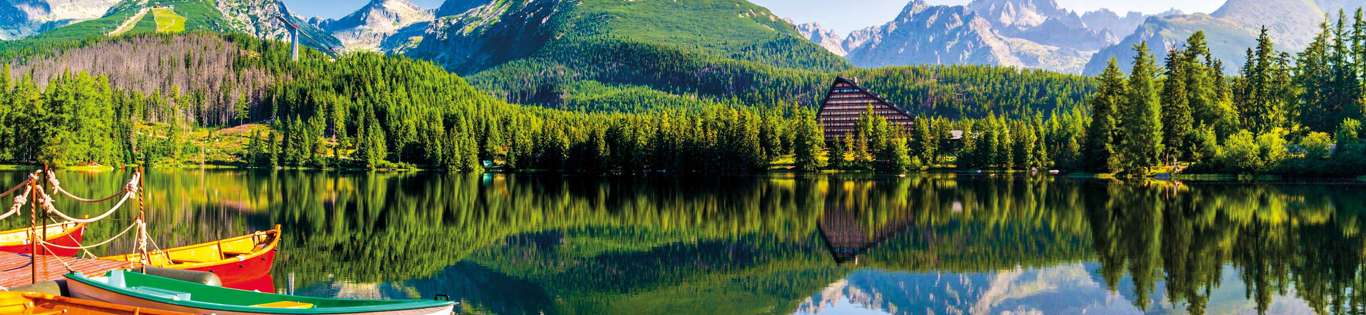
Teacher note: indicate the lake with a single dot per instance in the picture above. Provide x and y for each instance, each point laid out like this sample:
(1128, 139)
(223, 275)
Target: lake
(942, 243)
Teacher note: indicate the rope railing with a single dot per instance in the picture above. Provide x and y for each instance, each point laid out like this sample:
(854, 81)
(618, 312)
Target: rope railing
(46, 202)
(57, 188)
(105, 242)
(59, 258)
(14, 189)
(19, 202)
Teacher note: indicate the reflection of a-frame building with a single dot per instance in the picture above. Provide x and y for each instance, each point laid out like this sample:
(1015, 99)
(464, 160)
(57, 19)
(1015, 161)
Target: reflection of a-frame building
(846, 237)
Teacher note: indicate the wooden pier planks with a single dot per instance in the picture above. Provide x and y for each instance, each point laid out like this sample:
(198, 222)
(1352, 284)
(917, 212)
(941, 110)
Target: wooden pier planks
(15, 271)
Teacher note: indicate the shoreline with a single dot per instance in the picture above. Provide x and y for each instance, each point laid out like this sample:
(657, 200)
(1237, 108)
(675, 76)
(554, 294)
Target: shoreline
(1200, 177)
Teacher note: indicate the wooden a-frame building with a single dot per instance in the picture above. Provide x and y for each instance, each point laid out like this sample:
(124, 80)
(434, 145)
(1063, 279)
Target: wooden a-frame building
(845, 104)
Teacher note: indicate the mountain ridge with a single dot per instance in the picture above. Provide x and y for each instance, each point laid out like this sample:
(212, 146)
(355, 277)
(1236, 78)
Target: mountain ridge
(258, 18)
(23, 18)
(1015, 33)
(1230, 30)
(370, 26)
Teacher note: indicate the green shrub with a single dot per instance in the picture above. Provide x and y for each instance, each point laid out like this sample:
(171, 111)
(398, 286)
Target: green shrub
(1240, 153)
(1317, 146)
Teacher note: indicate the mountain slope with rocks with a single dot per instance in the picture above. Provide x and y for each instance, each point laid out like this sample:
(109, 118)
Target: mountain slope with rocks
(1018, 33)
(23, 18)
(1230, 30)
(370, 26)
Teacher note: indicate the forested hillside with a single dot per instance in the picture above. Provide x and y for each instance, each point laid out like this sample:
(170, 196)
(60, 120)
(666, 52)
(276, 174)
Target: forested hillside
(534, 52)
(257, 18)
(358, 110)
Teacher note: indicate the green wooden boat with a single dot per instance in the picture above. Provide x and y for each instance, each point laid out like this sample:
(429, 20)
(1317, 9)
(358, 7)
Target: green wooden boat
(143, 290)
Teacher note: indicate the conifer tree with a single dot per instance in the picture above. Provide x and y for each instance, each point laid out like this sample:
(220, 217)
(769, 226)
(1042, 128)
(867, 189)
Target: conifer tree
(1314, 76)
(1100, 153)
(926, 145)
(839, 149)
(1264, 88)
(1177, 123)
(1141, 126)
(1200, 85)
(810, 143)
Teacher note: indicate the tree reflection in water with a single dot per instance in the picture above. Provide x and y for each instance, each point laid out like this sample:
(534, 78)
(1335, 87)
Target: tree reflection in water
(567, 244)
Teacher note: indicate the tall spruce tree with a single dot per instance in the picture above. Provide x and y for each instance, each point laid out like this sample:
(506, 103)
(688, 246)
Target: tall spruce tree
(1177, 123)
(1264, 87)
(1314, 76)
(1105, 103)
(1141, 125)
(1200, 82)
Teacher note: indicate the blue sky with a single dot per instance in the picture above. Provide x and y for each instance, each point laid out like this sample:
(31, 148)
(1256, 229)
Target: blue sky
(847, 16)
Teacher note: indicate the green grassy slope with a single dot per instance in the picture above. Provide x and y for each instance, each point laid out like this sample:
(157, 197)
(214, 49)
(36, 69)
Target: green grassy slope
(538, 52)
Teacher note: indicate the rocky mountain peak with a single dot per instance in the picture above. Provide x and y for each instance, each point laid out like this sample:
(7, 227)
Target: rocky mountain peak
(915, 6)
(22, 18)
(1018, 13)
(824, 37)
(368, 27)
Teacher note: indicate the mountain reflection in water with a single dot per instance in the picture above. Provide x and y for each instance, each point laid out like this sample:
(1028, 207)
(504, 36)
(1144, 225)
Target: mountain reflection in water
(939, 244)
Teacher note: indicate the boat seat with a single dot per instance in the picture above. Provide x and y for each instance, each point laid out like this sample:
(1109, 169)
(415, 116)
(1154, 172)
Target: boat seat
(285, 304)
(163, 293)
(238, 247)
(195, 255)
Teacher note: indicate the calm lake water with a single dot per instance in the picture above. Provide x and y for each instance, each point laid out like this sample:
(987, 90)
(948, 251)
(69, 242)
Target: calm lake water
(941, 244)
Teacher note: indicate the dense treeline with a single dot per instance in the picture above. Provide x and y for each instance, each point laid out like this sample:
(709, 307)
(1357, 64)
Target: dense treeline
(1282, 114)
(1276, 116)
(76, 119)
(373, 110)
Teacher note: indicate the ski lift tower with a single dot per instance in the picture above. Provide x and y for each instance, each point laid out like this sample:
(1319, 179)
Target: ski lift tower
(293, 37)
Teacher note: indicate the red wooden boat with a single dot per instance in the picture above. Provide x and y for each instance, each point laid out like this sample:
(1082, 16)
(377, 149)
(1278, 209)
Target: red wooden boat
(67, 234)
(242, 262)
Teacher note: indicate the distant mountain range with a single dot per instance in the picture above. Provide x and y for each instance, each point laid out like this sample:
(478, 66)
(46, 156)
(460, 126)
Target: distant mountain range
(472, 35)
(1231, 30)
(1021, 33)
(67, 21)
(1039, 34)
(23, 18)
(376, 23)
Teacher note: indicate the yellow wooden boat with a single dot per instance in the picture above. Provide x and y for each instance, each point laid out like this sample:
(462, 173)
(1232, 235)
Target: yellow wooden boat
(242, 262)
(32, 303)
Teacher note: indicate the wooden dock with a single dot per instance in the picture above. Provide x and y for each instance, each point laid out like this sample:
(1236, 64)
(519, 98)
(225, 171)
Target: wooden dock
(15, 269)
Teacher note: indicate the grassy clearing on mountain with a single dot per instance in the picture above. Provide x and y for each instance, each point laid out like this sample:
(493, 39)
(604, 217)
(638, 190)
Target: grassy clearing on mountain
(168, 21)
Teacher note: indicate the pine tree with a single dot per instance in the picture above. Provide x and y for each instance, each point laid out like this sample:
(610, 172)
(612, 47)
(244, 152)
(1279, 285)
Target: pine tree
(1141, 126)
(926, 145)
(1264, 88)
(1200, 85)
(1315, 76)
(837, 152)
(1100, 152)
(809, 143)
(1177, 123)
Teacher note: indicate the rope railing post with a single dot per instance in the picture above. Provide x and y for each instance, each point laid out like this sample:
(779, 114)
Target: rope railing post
(141, 221)
(43, 219)
(32, 234)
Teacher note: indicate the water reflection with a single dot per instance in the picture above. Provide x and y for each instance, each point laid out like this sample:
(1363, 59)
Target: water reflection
(937, 243)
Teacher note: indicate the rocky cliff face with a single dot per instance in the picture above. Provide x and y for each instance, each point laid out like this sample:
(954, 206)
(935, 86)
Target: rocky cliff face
(368, 28)
(1230, 30)
(23, 18)
(824, 37)
(1112, 24)
(261, 18)
(1020, 33)
(487, 34)
(924, 34)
